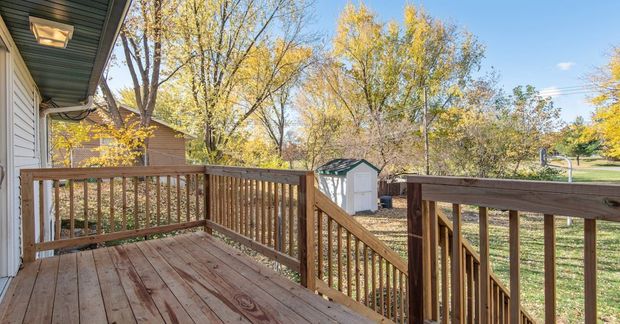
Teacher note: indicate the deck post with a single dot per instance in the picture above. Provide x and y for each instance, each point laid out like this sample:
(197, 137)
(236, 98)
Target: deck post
(27, 198)
(207, 201)
(415, 252)
(305, 197)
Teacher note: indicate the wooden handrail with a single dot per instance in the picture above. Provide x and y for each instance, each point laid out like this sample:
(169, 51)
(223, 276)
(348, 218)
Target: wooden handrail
(269, 211)
(110, 172)
(444, 221)
(97, 206)
(339, 215)
(588, 201)
(591, 202)
(368, 276)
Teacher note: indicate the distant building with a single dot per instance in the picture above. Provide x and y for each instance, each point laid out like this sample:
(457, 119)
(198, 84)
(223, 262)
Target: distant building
(166, 147)
(350, 183)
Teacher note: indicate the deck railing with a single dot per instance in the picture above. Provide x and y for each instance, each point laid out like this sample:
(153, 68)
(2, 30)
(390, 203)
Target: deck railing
(281, 215)
(264, 210)
(106, 204)
(277, 213)
(355, 268)
(474, 293)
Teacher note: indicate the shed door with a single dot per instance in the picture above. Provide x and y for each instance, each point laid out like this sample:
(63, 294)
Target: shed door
(362, 191)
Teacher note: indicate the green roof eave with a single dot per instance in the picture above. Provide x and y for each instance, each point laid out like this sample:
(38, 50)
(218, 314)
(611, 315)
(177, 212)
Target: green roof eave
(68, 76)
(351, 167)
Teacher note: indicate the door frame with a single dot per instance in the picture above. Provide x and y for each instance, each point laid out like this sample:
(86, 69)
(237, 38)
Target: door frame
(5, 135)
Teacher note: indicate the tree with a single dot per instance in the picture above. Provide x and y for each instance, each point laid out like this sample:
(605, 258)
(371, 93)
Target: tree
(441, 59)
(578, 139)
(146, 37)
(391, 79)
(66, 137)
(607, 116)
(488, 133)
(125, 145)
(531, 118)
(322, 120)
(238, 61)
(274, 113)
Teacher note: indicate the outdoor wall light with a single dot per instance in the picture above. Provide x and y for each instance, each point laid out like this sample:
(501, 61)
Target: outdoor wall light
(51, 33)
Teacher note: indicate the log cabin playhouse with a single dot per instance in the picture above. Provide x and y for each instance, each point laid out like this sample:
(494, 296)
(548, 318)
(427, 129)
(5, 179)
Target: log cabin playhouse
(341, 272)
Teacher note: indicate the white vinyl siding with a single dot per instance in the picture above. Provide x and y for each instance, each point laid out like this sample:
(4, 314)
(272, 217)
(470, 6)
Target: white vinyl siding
(25, 123)
(22, 134)
(25, 130)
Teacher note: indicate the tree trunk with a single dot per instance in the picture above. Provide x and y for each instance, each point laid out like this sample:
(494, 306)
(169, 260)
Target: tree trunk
(113, 112)
(577, 160)
(427, 163)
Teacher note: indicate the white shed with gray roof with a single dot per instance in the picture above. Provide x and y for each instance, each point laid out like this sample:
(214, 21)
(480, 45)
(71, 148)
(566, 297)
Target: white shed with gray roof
(350, 183)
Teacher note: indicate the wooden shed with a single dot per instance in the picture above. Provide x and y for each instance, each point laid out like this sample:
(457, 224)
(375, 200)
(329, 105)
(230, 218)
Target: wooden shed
(350, 183)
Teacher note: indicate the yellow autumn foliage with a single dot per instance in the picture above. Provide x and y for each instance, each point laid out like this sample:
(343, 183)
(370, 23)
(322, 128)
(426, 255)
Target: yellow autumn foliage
(607, 115)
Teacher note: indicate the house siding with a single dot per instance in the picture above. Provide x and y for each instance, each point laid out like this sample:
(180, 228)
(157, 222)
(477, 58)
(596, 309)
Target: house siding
(22, 148)
(166, 147)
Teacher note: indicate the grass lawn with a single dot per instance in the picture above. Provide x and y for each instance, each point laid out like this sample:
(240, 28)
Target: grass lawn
(589, 175)
(390, 226)
(589, 162)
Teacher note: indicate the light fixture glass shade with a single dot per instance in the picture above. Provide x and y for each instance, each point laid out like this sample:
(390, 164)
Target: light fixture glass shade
(51, 33)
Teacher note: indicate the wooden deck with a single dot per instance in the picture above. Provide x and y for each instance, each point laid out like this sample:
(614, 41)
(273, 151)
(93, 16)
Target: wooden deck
(190, 278)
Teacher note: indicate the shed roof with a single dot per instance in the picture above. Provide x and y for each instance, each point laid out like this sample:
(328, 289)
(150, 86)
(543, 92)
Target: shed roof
(68, 76)
(342, 166)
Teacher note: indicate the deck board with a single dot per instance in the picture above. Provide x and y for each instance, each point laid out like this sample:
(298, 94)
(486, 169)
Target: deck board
(66, 305)
(167, 303)
(248, 267)
(142, 305)
(115, 300)
(42, 299)
(92, 309)
(15, 303)
(199, 284)
(182, 279)
(246, 291)
(196, 308)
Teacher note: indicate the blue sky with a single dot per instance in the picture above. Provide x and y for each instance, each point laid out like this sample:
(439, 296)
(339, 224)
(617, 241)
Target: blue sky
(552, 45)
